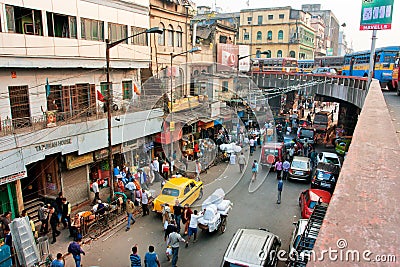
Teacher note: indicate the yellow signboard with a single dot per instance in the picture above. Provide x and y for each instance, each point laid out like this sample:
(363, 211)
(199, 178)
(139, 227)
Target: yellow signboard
(172, 126)
(74, 161)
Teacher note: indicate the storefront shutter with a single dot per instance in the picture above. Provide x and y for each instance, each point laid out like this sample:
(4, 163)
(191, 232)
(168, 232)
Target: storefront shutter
(75, 185)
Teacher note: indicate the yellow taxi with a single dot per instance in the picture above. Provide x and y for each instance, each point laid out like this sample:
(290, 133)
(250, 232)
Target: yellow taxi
(185, 190)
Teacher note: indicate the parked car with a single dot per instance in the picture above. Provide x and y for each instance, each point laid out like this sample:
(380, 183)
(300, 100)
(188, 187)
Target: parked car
(184, 189)
(328, 157)
(324, 70)
(306, 133)
(309, 198)
(342, 144)
(298, 231)
(271, 152)
(252, 248)
(300, 168)
(323, 120)
(325, 176)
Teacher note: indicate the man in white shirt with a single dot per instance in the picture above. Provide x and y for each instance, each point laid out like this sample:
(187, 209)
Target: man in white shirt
(131, 187)
(173, 240)
(155, 168)
(145, 202)
(193, 226)
(95, 188)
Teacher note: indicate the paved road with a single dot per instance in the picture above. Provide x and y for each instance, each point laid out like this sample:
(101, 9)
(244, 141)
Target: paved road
(250, 210)
(393, 104)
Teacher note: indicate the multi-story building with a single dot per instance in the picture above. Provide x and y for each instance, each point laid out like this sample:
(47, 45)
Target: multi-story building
(332, 27)
(53, 128)
(281, 31)
(318, 24)
(344, 47)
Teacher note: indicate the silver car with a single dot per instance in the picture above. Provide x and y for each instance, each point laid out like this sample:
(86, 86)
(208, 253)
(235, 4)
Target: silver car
(300, 169)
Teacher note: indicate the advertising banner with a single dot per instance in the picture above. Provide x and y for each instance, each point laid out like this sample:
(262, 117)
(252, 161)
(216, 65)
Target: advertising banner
(227, 55)
(244, 64)
(376, 14)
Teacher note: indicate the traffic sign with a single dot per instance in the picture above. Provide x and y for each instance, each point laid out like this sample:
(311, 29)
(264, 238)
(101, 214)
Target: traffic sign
(376, 14)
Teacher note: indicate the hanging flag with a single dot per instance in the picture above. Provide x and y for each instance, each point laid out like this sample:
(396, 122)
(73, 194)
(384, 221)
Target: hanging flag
(100, 96)
(136, 89)
(47, 87)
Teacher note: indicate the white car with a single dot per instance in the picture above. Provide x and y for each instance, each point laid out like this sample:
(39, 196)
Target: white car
(328, 157)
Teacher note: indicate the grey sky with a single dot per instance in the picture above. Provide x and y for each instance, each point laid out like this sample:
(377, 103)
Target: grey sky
(348, 11)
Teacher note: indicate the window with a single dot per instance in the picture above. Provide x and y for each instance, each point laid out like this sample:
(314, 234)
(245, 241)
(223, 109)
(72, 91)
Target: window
(140, 39)
(281, 16)
(259, 36)
(24, 20)
(61, 25)
(127, 90)
(249, 20)
(270, 17)
(223, 39)
(260, 20)
(269, 35)
(103, 88)
(161, 37)
(179, 36)
(170, 35)
(117, 32)
(269, 54)
(258, 53)
(292, 54)
(280, 35)
(92, 29)
(279, 54)
(225, 86)
(246, 36)
(19, 102)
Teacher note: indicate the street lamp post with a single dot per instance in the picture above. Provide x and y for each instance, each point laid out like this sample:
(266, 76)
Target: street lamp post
(193, 50)
(109, 100)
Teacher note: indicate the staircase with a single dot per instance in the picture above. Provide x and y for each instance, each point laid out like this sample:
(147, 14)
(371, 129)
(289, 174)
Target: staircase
(309, 236)
(32, 207)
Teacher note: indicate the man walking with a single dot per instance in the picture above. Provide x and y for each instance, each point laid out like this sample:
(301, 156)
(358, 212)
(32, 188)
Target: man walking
(145, 202)
(193, 226)
(285, 169)
(135, 258)
(131, 187)
(59, 262)
(173, 240)
(252, 144)
(75, 249)
(53, 223)
(66, 213)
(280, 188)
(130, 207)
(198, 170)
(178, 209)
(278, 169)
(155, 168)
(43, 217)
(151, 258)
(241, 162)
(142, 178)
(95, 188)
(254, 170)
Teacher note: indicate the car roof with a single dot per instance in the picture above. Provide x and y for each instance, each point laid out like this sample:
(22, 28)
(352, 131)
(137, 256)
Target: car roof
(300, 158)
(330, 155)
(274, 145)
(316, 194)
(250, 246)
(328, 167)
(178, 182)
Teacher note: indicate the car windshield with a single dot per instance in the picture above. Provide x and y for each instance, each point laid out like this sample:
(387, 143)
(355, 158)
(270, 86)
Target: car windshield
(299, 165)
(307, 133)
(332, 160)
(269, 151)
(312, 204)
(324, 175)
(170, 192)
(320, 118)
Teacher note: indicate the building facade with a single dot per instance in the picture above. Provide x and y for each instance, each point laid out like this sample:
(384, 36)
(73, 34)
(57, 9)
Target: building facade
(319, 26)
(53, 82)
(281, 31)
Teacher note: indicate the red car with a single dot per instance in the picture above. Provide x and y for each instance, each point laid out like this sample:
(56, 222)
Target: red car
(271, 152)
(308, 199)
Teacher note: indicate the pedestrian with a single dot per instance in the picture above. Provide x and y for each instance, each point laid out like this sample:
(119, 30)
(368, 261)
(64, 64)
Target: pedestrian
(43, 217)
(165, 170)
(313, 158)
(75, 249)
(5, 220)
(278, 169)
(309, 117)
(252, 144)
(193, 226)
(178, 209)
(291, 152)
(130, 208)
(280, 188)
(254, 171)
(198, 170)
(285, 169)
(155, 167)
(54, 223)
(171, 227)
(173, 240)
(58, 262)
(131, 187)
(142, 179)
(172, 165)
(120, 186)
(151, 258)
(66, 213)
(187, 212)
(95, 188)
(59, 205)
(241, 162)
(145, 202)
(135, 258)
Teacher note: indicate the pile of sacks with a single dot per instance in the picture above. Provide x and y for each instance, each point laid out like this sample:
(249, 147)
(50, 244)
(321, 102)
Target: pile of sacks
(213, 207)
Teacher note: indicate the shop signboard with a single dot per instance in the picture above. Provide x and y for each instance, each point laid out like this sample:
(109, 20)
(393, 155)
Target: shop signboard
(227, 57)
(103, 153)
(12, 178)
(376, 14)
(244, 63)
(74, 161)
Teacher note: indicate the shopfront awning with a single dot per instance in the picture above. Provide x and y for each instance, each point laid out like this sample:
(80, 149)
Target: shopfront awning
(167, 137)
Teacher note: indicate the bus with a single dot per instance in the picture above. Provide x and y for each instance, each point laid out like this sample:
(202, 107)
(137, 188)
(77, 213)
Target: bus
(281, 64)
(335, 62)
(305, 65)
(357, 64)
(396, 76)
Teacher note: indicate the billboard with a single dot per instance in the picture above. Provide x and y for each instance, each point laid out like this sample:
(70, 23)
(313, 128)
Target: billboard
(376, 14)
(227, 55)
(244, 63)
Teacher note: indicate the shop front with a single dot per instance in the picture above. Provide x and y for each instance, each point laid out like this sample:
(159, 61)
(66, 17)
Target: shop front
(8, 193)
(136, 154)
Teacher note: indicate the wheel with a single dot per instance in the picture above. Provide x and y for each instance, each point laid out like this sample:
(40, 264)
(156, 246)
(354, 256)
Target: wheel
(200, 195)
(390, 86)
(94, 231)
(222, 226)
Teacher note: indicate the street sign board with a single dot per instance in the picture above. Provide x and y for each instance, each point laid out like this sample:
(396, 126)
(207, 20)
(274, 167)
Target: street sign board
(376, 14)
